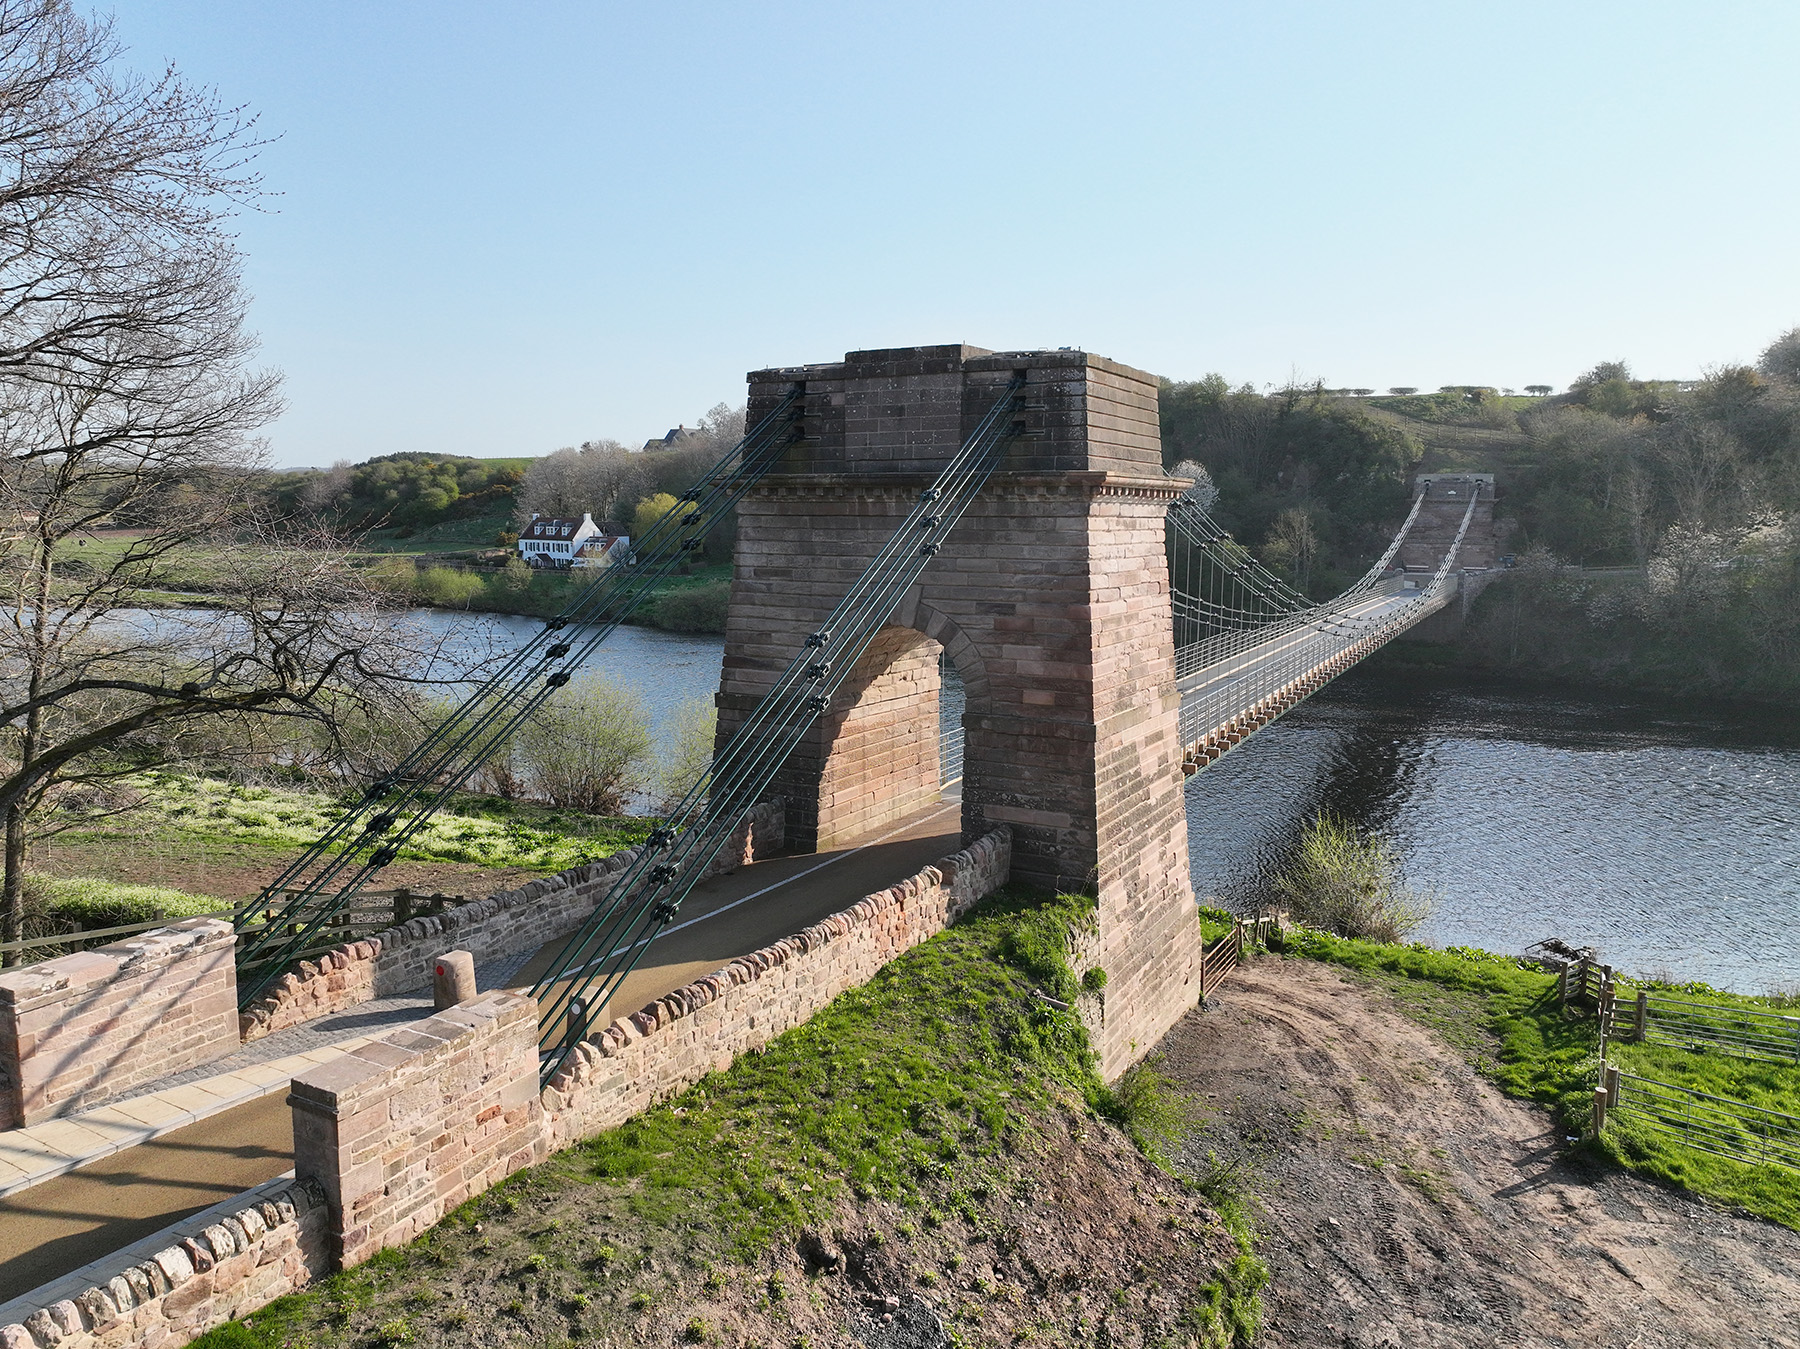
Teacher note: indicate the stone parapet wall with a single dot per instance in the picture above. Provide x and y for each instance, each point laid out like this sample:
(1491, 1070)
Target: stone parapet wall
(403, 1129)
(400, 960)
(82, 1029)
(678, 1039)
(275, 1245)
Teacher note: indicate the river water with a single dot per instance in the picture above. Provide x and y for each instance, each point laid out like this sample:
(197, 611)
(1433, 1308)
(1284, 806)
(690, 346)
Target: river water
(1666, 834)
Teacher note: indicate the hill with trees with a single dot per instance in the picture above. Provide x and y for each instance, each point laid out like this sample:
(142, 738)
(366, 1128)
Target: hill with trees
(1656, 522)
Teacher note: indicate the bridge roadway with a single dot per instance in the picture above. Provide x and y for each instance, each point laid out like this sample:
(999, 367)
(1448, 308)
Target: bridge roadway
(1213, 694)
(61, 1224)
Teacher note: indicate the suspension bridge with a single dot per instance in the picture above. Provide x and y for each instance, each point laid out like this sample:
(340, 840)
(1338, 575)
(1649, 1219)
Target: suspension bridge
(1007, 512)
(900, 514)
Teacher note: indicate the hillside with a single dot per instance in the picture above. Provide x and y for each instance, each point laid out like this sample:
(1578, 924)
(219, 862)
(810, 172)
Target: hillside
(1656, 523)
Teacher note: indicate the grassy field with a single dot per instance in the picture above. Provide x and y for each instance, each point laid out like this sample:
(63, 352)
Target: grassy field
(914, 1120)
(1507, 1020)
(225, 839)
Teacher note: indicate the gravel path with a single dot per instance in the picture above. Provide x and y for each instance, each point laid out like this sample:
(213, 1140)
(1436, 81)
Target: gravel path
(1406, 1202)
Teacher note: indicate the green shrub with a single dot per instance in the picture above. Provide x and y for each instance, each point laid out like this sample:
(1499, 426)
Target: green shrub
(1348, 882)
(698, 608)
(58, 905)
(447, 587)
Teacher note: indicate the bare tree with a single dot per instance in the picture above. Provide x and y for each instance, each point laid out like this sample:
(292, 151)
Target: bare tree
(127, 396)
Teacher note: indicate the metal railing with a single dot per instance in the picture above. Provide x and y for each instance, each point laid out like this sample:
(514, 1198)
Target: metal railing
(1741, 1032)
(1713, 1124)
(1279, 655)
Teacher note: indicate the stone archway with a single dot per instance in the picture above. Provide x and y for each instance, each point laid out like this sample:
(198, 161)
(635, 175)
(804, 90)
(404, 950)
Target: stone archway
(1051, 596)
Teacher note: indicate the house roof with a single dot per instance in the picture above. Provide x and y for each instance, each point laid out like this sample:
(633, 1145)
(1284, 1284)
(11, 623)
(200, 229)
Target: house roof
(548, 527)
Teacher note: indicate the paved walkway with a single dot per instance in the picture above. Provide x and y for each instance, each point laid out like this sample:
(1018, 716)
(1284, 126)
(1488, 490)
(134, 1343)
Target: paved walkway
(74, 1190)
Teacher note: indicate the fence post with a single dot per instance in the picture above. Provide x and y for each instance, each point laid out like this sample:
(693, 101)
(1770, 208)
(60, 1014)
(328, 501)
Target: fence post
(1612, 1087)
(1643, 1014)
(403, 907)
(1599, 1111)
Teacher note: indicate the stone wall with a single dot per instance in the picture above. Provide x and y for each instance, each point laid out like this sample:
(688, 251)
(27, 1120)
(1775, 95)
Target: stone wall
(81, 1029)
(405, 1128)
(878, 744)
(1441, 515)
(678, 1039)
(274, 1245)
(1051, 597)
(400, 960)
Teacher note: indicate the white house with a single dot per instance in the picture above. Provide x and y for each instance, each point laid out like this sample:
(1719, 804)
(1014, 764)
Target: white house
(555, 542)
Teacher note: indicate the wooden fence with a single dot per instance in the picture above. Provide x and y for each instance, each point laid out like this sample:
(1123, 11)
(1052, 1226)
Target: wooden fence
(369, 912)
(1715, 1124)
(1221, 957)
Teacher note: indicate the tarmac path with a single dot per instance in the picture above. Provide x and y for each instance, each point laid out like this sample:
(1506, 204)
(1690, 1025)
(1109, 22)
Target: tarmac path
(63, 1223)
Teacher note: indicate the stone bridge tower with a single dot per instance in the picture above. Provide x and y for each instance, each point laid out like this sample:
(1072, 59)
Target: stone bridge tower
(1051, 599)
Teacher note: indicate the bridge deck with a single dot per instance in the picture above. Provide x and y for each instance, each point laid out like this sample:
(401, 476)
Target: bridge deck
(61, 1224)
(1218, 691)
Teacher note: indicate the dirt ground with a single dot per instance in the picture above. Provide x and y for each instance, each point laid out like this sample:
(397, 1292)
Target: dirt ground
(1406, 1202)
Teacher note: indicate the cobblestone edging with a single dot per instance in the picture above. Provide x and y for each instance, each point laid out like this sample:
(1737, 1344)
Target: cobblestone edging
(274, 1245)
(400, 959)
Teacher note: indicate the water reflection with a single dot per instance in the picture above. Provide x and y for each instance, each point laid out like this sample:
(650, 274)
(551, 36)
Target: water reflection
(1668, 835)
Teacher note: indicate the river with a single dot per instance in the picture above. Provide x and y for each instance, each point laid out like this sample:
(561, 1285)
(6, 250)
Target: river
(1667, 834)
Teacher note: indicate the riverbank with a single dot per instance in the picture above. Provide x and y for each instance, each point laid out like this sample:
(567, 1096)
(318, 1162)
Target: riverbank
(929, 1161)
(1610, 629)
(1403, 1199)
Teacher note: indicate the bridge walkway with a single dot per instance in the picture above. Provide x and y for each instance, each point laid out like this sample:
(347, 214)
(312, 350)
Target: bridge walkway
(1215, 692)
(119, 1196)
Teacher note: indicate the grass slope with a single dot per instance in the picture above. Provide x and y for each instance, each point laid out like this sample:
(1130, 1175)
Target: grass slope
(920, 1124)
(1508, 1022)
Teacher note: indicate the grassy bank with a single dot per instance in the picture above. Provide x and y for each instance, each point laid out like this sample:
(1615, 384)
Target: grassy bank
(1506, 1019)
(695, 602)
(222, 839)
(938, 1138)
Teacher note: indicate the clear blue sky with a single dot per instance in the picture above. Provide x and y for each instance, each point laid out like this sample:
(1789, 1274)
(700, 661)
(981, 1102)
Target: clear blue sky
(506, 228)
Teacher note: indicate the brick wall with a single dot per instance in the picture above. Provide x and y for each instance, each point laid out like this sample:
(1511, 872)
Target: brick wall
(404, 1129)
(678, 1039)
(81, 1029)
(272, 1246)
(400, 959)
